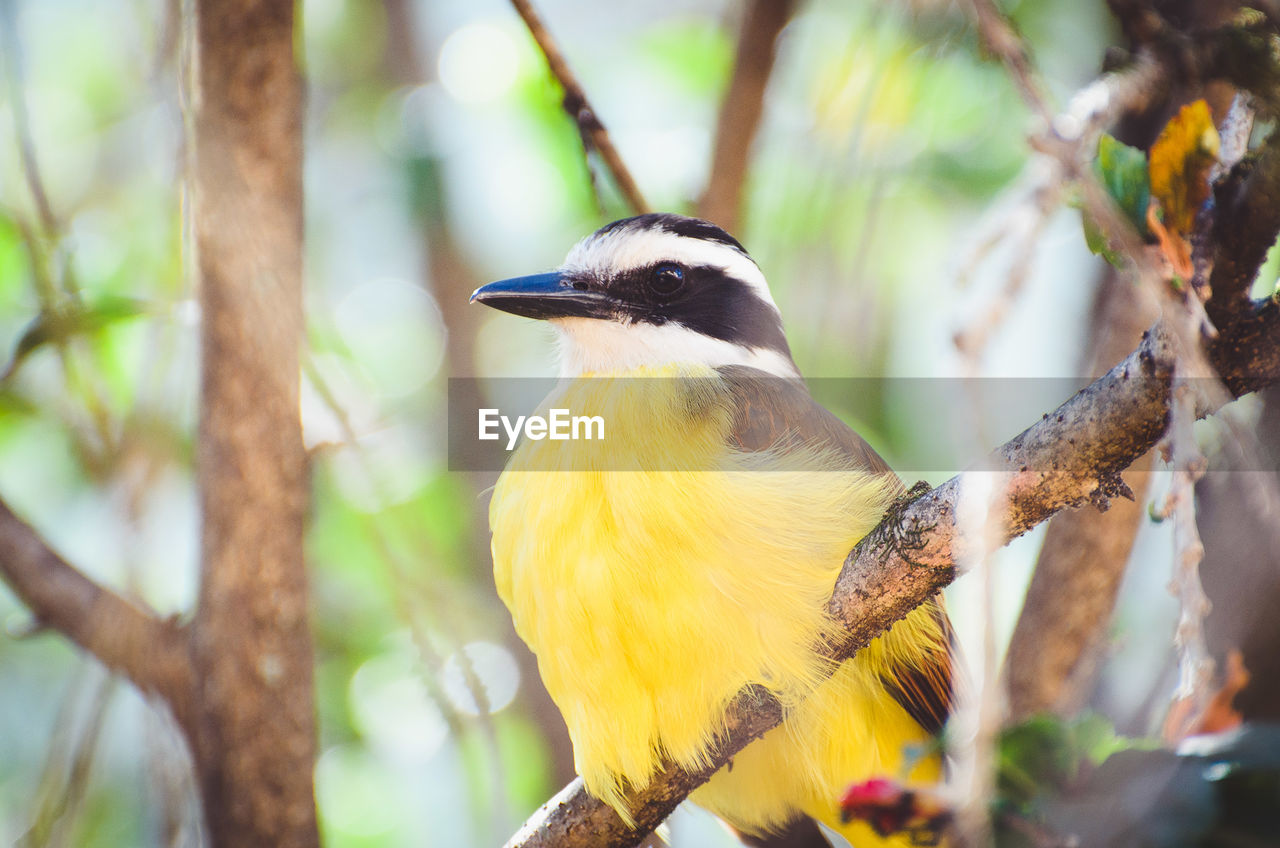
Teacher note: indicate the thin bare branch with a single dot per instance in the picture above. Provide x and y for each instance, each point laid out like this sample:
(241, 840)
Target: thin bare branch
(594, 134)
(741, 109)
(1195, 666)
(1067, 143)
(124, 636)
(999, 36)
(69, 763)
(1025, 229)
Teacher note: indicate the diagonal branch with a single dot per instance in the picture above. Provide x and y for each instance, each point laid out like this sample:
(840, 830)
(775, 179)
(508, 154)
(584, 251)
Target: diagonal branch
(594, 135)
(1071, 457)
(125, 637)
(741, 109)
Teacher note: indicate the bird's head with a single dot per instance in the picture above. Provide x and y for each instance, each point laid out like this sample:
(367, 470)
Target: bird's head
(652, 290)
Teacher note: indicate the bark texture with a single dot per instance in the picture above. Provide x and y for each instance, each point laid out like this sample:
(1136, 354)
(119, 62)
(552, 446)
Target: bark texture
(253, 732)
(124, 636)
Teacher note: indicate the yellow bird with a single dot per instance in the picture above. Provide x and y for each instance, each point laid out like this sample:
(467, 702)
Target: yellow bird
(690, 552)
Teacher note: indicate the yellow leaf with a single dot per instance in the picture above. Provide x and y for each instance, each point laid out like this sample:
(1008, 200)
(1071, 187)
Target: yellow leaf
(1179, 165)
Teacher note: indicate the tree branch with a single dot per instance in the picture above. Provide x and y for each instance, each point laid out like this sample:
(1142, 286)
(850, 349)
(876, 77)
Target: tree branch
(594, 135)
(123, 636)
(741, 109)
(998, 35)
(1071, 457)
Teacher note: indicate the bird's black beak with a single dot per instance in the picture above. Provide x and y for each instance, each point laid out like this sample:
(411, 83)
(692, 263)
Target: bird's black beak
(552, 295)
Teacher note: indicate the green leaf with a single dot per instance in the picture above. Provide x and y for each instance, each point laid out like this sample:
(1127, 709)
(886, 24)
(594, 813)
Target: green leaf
(58, 325)
(1123, 172)
(1034, 758)
(1096, 739)
(1044, 754)
(1097, 242)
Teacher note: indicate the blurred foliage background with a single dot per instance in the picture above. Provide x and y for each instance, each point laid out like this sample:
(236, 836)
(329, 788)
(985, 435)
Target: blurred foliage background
(438, 158)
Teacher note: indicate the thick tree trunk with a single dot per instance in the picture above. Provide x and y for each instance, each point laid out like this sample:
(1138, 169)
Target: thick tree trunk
(253, 730)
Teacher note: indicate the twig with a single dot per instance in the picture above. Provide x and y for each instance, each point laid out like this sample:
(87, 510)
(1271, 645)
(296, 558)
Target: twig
(1195, 378)
(1071, 137)
(1067, 143)
(741, 109)
(1195, 666)
(63, 795)
(49, 802)
(127, 638)
(44, 242)
(998, 35)
(1034, 676)
(450, 275)
(1026, 226)
(594, 135)
(402, 595)
(1100, 103)
(1059, 635)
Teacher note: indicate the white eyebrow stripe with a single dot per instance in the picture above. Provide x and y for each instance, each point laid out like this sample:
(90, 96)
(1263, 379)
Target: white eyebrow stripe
(625, 248)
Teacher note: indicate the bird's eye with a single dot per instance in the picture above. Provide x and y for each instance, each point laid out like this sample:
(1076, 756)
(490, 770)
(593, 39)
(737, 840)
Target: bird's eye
(667, 278)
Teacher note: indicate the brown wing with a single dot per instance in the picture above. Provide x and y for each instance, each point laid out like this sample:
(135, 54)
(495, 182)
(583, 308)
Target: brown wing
(771, 409)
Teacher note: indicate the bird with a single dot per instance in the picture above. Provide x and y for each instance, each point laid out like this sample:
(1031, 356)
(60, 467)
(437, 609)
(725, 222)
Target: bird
(689, 553)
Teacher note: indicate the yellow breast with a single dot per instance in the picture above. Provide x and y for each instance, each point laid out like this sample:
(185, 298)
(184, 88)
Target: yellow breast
(658, 572)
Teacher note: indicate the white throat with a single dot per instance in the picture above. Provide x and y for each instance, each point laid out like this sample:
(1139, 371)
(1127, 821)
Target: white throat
(592, 345)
